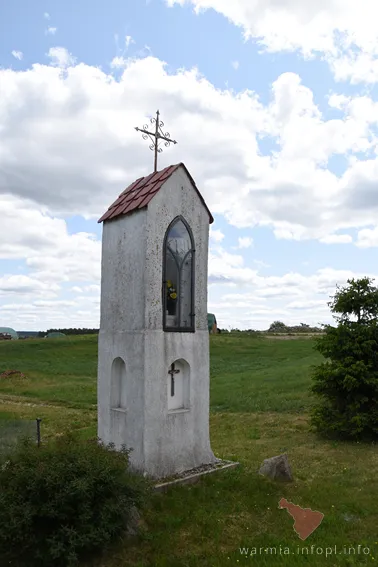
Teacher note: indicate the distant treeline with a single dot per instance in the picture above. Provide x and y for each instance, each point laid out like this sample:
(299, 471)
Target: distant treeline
(276, 327)
(70, 332)
(279, 327)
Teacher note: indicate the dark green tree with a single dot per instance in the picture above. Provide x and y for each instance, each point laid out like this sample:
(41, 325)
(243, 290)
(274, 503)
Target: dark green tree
(277, 327)
(346, 383)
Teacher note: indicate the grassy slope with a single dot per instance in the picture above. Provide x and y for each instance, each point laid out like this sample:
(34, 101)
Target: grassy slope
(259, 399)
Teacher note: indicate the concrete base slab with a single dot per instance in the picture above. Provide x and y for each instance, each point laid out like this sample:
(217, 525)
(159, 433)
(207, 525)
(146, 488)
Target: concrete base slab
(194, 475)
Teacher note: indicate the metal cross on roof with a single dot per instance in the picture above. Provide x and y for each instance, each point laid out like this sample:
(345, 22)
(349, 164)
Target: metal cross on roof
(156, 136)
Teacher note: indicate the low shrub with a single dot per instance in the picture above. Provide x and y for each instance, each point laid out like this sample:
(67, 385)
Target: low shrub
(63, 501)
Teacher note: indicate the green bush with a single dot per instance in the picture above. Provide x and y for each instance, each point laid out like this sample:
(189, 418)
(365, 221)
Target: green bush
(346, 384)
(64, 501)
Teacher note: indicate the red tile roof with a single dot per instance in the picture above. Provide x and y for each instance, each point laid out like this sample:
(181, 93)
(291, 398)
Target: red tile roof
(140, 193)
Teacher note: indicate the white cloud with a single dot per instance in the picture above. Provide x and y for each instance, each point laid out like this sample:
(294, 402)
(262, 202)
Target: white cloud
(317, 304)
(292, 297)
(338, 101)
(51, 30)
(368, 237)
(118, 62)
(75, 103)
(235, 65)
(128, 41)
(92, 288)
(216, 234)
(54, 258)
(60, 57)
(344, 31)
(45, 314)
(52, 254)
(54, 303)
(337, 239)
(17, 54)
(245, 242)
(261, 263)
(11, 284)
(229, 269)
(46, 15)
(35, 229)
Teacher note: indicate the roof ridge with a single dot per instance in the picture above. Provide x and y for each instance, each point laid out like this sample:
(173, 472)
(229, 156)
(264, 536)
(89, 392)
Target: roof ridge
(139, 193)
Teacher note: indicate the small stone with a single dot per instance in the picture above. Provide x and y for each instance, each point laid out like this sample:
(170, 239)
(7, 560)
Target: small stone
(350, 518)
(277, 468)
(133, 522)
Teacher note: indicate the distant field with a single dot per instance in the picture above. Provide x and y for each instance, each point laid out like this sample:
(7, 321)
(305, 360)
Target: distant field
(259, 408)
(59, 384)
(62, 373)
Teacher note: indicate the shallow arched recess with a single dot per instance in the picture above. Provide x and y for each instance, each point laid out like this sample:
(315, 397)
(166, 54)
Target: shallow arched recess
(118, 385)
(178, 386)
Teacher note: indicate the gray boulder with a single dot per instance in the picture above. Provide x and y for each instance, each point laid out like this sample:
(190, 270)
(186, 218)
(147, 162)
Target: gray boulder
(277, 468)
(133, 523)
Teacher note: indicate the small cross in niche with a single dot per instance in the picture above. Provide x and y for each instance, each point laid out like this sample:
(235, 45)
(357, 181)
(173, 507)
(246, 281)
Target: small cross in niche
(172, 372)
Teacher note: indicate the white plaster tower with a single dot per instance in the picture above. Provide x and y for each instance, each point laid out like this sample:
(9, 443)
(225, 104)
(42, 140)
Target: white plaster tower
(153, 371)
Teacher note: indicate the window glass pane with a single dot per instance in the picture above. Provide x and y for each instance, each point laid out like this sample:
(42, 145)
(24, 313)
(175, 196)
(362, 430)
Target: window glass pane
(179, 240)
(178, 277)
(186, 292)
(172, 279)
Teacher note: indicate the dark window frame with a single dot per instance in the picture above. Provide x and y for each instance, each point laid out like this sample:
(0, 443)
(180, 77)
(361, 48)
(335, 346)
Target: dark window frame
(192, 327)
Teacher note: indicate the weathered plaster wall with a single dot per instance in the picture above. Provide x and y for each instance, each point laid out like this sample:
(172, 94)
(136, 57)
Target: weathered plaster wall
(122, 330)
(123, 275)
(183, 440)
(178, 440)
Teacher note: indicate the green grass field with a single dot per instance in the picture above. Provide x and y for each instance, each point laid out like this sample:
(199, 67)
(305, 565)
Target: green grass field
(259, 408)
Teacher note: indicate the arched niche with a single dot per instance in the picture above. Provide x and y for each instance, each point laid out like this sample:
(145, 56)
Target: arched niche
(178, 386)
(178, 277)
(118, 385)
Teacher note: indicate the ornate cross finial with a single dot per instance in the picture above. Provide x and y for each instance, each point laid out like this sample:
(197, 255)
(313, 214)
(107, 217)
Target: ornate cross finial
(156, 136)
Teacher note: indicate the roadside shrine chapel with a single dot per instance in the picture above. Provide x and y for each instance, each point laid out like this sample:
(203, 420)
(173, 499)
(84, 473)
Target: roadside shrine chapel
(153, 373)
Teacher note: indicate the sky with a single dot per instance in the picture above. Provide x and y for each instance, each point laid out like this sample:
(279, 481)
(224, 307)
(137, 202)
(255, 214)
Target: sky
(274, 105)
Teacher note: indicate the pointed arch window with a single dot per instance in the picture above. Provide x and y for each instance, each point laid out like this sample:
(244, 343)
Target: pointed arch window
(178, 277)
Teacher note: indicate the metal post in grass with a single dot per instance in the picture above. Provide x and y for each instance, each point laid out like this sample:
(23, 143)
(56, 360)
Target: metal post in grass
(39, 431)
